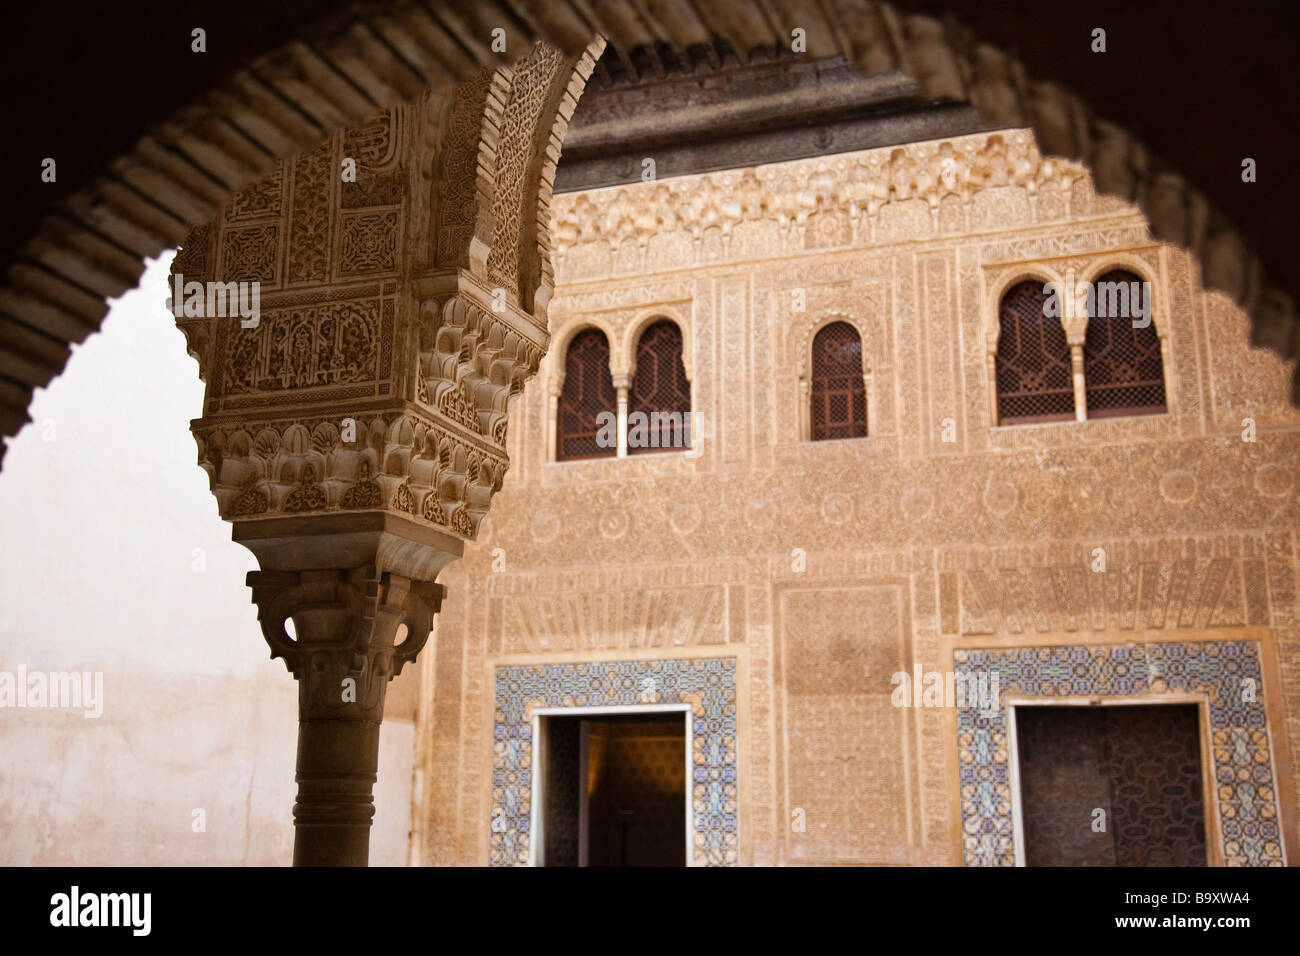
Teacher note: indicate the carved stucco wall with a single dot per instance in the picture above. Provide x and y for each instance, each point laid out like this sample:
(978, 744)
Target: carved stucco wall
(916, 547)
(404, 270)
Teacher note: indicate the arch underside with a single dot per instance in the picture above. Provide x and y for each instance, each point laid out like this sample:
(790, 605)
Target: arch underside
(287, 105)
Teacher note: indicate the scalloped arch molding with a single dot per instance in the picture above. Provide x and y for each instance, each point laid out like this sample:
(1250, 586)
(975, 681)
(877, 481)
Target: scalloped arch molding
(282, 104)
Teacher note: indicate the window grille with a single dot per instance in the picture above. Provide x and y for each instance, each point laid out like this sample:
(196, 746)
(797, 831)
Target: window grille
(839, 398)
(588, 391)
(660, 390)
(1122, 365)
(1034, 380)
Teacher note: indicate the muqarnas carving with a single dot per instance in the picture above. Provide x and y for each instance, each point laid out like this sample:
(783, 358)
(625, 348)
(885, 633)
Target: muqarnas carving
(405, 463)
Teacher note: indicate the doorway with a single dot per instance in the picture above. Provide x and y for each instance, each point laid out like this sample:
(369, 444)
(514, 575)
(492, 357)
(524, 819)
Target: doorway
(612, 789)
(1110, 785)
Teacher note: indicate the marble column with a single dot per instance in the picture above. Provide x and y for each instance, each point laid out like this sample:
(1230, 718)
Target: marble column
(360, 591)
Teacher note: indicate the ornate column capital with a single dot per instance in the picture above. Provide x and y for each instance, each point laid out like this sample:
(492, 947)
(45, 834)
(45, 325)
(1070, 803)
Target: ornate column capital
(358, 580)
(347, 624)
(351, 582)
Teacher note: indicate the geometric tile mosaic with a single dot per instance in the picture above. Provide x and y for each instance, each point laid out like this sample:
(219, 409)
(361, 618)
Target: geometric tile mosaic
(708, 685)
(1244, 780)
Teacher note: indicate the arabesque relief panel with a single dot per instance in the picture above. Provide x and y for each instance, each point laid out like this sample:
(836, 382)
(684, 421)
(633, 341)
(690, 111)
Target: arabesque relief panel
(938, 528)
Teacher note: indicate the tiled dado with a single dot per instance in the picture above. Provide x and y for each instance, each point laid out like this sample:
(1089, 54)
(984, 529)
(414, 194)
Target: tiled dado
(1244, 780)
(708, 685)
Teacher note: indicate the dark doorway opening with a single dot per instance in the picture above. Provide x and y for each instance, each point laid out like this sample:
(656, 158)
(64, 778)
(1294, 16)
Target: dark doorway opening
(614, 790)
(1112, 785)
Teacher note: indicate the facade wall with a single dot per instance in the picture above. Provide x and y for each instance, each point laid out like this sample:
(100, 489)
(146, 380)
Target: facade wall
(824, 569)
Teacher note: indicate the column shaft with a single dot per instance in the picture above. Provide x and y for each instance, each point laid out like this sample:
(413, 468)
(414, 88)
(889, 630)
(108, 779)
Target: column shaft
(338, 763)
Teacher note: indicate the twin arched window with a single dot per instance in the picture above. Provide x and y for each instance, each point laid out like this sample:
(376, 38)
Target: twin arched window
(1122, 365)
(839, 395)
(588, 393)
(1035, 383)
(1121, 359)
(659, 403)
(661, 396)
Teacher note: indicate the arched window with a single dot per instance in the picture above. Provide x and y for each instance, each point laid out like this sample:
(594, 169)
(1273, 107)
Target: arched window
(839, 398)
(1035, 383)
(660, 403)
(588, 390)
(1122, 366)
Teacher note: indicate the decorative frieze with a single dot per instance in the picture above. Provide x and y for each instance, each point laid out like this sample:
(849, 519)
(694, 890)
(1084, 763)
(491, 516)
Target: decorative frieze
(607, 619)
(894, 194)
(409, 462)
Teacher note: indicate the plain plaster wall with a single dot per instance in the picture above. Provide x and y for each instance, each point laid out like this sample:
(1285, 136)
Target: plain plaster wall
(102, 508)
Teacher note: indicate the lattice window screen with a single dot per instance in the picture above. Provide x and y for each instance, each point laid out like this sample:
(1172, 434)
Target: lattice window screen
(660, 385)
(1122, 365)
(588, 391)
(1035, 383)
(839, 398)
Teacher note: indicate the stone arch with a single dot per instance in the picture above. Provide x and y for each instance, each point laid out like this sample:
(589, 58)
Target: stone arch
(1143, 269)
(993, 295)
(994, 292)
(180, 174)
(496, 172)
(802, 359)
(464, 160)
(566, 334)
(625, 359)
(571, 326)
(1161, 320)
(292, 106)
(801, 355)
